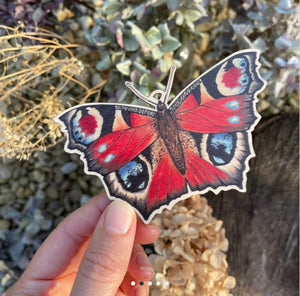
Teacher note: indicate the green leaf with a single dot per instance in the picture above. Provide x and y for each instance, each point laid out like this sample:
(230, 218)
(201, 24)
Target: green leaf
(153, 36)
(144, 80)
(164, 29)
(127, 13)
(38, 15)
(260, 44)
(156, 53)
(139, 11)
(169, 44)
(105, 62)
(131, 44)
(142, 69)
(118, 57)
(123, 95)
(192, 15)
(166, 64)
(111, 7)
(156, 3)
(124, 67)
(139, 36)
(173, 4)
(102, 41)
(179, 18)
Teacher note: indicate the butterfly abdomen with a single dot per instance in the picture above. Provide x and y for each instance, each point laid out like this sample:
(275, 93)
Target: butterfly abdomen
(169, 131)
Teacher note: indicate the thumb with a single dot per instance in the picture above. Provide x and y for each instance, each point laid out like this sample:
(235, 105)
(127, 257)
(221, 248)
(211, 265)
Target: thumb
(106, 259)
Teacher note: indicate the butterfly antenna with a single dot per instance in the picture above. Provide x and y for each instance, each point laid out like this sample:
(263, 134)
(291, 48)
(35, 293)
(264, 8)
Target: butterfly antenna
(169, 84)
(140, 95)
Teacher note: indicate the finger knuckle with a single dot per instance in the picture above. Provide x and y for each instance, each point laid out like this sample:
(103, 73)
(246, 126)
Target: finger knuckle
(100, 264)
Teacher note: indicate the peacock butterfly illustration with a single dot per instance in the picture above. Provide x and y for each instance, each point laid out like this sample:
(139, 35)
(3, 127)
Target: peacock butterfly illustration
(152, 157)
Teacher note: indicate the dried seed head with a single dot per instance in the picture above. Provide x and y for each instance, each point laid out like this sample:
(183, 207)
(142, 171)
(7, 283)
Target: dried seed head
(190, 252)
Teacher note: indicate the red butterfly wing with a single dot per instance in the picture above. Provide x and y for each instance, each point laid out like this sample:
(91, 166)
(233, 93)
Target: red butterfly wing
(228, 114)
(201, 173)
(116, 149)
(167, 181)
(216, 112)
(108, 136)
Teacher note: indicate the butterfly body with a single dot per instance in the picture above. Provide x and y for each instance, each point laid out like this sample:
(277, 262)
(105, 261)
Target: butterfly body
(153, 157)
(168, 130)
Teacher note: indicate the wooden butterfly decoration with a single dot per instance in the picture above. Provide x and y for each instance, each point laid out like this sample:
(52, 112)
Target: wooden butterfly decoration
(154, 157)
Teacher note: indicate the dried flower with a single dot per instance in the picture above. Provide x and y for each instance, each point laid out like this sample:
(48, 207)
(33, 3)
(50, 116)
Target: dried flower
(190, 251)
(37, 70)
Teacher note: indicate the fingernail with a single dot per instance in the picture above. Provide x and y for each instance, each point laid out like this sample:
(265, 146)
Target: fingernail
(119, 217)
(142, 261)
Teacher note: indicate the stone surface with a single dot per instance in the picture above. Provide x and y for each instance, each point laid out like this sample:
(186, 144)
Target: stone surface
(68, 168)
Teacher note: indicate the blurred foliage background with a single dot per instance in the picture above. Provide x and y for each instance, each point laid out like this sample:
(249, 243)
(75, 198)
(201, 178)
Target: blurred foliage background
(56, 54)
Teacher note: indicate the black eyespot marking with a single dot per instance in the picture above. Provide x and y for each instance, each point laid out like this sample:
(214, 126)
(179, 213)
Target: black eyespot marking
(134, 176)
(220, 148)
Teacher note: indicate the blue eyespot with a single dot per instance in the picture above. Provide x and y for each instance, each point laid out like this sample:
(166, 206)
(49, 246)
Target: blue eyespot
(109, 157)
(77, 131)
(79, 135)
(224, 139)
(142, 185)
(102, 148)
(240, 63)
(233, 105)
(220, 148)
(218, 160)
(134, 176)
(244, 80)
(234, 119)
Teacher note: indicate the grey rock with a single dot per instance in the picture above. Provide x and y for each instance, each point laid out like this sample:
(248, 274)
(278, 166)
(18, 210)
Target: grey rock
(58, 177)
(16, 250)
(52, 192)
(40, 194)
(32, 187)
(16, 173)
(24, 181)
(4, 224)
(68, 168)
(82, 183)
(6, 199)
(5, 172)
(84, 199)
(21, 193)
(8, 212)
(38, 176)
(30, 231)
(42, 185)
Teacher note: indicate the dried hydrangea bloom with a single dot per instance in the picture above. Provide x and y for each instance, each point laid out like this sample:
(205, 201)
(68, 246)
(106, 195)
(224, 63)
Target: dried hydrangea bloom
(191, 250)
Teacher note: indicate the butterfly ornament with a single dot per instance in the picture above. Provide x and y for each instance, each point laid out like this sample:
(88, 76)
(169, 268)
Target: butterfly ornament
(154, 157)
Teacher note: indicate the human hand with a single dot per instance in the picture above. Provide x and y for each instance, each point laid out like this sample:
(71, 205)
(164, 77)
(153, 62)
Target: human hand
(94, 251)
